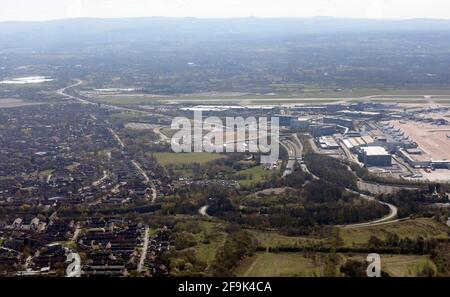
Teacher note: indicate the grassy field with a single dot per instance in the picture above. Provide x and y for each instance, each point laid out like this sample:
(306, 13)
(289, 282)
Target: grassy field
(401, 265)
(186, 158)
(127, 115)
(125, 100)
(206, 250)
(273, 239)
(282, 264)
(424, 227)
(296, 264)
(252, 175)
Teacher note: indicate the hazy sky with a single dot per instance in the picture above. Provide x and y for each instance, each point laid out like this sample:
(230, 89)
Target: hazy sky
(56, 9)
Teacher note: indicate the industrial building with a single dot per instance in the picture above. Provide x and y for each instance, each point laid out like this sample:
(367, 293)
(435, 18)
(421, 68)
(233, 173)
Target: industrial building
(348, 123)
(327, 143)
(310, 108)
(415, 158)
(300, 123)
(361, 114)
(321, 130)
(355, 143)
(285, 120)
(375, 156)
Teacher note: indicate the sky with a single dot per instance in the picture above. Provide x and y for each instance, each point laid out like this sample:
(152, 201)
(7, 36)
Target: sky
(32, 10)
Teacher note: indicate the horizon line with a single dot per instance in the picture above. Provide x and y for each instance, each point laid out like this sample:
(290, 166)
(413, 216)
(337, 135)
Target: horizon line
(223, 18)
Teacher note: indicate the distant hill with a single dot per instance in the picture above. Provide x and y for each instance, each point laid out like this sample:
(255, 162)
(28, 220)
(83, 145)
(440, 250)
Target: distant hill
(89, 30)
(249, 55)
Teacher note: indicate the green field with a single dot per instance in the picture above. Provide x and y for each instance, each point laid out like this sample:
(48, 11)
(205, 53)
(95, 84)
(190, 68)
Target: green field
(252, 176)
(425, 227)
(282, 264)
(186, 158)
(273, 239)
(206, 250)
(127, 115)
(402, 265)
(296, 264)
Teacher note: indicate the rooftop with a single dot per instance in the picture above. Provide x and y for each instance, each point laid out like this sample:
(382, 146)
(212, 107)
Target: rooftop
(374, 151)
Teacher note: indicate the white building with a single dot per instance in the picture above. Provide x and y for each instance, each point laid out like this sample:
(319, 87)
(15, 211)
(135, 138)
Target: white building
(375, 156)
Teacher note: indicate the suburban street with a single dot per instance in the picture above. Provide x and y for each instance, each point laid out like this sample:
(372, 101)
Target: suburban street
(144, 249)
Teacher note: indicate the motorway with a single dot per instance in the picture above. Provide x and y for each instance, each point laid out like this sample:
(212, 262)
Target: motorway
(393, 211)
(62, 92)
(294, 148)
(162, 136)
(295, 151)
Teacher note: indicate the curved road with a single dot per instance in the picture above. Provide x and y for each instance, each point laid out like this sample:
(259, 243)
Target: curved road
(62, 92)
(162, 136)
(393, 211)
(294, 150)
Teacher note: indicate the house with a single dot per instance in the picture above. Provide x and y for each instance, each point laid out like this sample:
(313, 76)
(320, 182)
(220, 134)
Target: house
(17, 224)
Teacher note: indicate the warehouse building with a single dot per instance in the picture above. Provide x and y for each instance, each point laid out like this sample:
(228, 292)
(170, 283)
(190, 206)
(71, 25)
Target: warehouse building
(339, 121)
(321, 130)
(353, 144)
(375, 156)
(361, 114)
(327, 143)
(285, 120)
(416, 158)
(300, 123)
